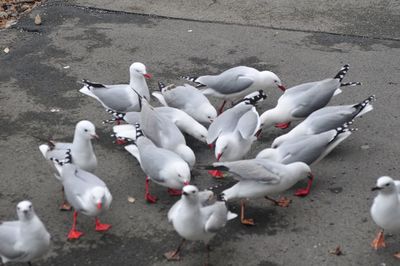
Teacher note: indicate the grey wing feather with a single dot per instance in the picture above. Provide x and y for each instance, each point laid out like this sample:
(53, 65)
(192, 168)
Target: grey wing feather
(248, 124)
(132, 117)
(230, 81)
(8, 238)
(114, 97)
(217, 216)
(315, 97)
(226, 122)
(330, 117)
(260, 170)
(307, 148)
(76, 182)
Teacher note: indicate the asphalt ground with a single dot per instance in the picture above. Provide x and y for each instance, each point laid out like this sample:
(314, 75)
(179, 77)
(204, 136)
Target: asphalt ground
(39, 98)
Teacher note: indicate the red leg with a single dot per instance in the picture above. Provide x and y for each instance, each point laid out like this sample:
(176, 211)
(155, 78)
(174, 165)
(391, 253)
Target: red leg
(101, 227)
(120, 141)
(65, 206)
(174, 192)
(243, 220)
(282, 125)
(302, 192)
(216, 173)
(221, 109)
(148, 197)
(74, 234)
(174, 255)
(211, 146)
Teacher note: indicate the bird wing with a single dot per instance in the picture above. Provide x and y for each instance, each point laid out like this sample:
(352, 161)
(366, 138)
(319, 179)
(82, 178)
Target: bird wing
(8, 238)
(260, 170)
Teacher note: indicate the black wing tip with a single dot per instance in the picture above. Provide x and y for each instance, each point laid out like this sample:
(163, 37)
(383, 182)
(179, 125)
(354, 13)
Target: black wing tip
(342, 72)
(161, 85)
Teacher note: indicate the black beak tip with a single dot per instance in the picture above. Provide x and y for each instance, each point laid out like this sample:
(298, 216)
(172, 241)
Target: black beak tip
(376, 188)
(185, 193)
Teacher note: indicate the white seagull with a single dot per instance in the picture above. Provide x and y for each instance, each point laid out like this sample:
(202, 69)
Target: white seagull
(82, 153)
(121, 97)
(236, 82)
(233, 131)
(162, 166)
(194, 221)
(308, 149)
(385, 210)
(23, 240)
(164, 133)
(261, 178)
(327, 118)
(182, 120)
(300, 101)
(87, 194)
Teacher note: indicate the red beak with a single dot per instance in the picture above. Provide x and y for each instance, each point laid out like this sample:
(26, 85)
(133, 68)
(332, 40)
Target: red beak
(186, 183)
(219, 156)
(99, 206)
(282, 87)
(95, 136)
(148, 75)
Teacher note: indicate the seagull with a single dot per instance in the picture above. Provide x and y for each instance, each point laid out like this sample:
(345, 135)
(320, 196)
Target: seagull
(233, 131)
(23, 240)
(87, 194)
(121, 97)
(182, 120)
(236, 82)
(82, 153)
(160, 165)
(261, 178)
(164, 133)
(385, 210)
(308, 149)
(300, 101)
(196, 222)
(188, 99)
(326, 119)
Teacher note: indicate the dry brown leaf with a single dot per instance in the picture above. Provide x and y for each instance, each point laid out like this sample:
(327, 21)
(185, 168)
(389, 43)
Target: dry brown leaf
(38, 20)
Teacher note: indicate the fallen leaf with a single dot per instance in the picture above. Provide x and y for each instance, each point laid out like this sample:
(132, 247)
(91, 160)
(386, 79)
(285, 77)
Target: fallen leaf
(337, 251)
(66, 67)
(397, 255)
(6, 50)
(131, 199)
(38, 20)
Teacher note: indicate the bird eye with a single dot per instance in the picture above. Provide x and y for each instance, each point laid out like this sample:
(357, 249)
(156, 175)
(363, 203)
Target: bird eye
(193, 191)
(18, 208)
(86, 130)
(30, 206)
(387, 184)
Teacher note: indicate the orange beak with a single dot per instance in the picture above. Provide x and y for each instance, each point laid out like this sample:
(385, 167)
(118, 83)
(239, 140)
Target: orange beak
(99, 206)
(148, 75)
